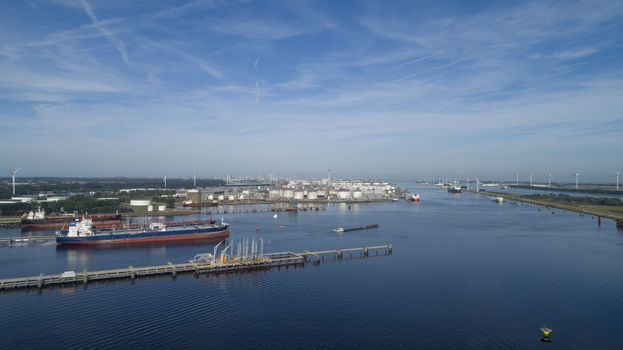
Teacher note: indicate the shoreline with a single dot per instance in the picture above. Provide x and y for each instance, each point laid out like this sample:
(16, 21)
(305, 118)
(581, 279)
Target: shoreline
(578, 208)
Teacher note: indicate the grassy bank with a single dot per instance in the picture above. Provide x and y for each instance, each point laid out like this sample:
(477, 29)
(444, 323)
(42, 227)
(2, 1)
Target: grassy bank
(607, 211)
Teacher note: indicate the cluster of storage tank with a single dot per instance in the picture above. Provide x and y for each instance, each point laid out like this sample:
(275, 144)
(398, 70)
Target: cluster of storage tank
(313, 194)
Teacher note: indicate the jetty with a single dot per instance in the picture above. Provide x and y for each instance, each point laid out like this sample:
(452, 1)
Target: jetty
(196, 266)
(10, 221)
(27, 239)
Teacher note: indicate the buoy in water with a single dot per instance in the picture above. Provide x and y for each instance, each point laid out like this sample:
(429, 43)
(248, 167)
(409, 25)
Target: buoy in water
(275, 216)
(546, 332)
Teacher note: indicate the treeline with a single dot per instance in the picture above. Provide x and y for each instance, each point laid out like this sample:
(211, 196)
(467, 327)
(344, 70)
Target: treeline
(32, 186)
(578, 200)
(585, 189)
(80, 204)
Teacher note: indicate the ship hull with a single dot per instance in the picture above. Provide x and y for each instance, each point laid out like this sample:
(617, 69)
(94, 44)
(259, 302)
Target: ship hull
(194, 234)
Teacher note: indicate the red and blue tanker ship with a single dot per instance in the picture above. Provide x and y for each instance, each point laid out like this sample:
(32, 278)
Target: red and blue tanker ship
(81, 233)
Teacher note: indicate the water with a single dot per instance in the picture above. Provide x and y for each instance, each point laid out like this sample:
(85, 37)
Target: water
(465, 273)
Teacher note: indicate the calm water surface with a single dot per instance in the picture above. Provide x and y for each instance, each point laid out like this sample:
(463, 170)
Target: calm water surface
(466, 273)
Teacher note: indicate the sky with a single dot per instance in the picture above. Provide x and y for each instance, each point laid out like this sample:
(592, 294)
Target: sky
(403, 89)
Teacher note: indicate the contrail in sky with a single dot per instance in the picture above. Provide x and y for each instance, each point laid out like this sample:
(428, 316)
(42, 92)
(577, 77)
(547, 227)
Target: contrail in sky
(116, 42)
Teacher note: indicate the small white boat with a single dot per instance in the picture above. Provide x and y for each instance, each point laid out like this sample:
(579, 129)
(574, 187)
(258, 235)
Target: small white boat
(339, 229)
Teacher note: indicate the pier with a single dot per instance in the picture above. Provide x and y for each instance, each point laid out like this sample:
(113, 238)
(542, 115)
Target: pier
(263, 261)
(27, 239)
(10, 221)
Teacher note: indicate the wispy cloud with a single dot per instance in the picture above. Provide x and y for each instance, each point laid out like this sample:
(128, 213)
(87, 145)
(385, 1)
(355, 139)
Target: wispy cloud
(113, 40)
(576, 53)
(408, 80)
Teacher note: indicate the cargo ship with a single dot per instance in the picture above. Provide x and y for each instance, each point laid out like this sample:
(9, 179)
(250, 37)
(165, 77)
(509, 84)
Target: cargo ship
(117, 224)
(341, 229)
(82, 233)
(38, 220)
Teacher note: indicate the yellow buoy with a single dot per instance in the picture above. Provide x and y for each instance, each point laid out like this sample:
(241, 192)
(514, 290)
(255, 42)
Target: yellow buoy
(546, 332)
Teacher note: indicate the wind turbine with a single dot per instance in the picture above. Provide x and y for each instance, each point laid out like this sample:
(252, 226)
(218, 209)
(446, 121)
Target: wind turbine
(477, 184)
(577, 179)
(618, 173)
(12, 173)
(165, 182)
(530, 180)
(194, 178)
(517, 179)
(549, 180)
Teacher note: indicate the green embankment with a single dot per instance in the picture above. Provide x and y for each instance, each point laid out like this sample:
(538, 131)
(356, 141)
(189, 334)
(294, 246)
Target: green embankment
(607, 211)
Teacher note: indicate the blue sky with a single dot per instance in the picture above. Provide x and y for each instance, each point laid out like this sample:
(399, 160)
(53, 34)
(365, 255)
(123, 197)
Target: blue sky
(380, 88)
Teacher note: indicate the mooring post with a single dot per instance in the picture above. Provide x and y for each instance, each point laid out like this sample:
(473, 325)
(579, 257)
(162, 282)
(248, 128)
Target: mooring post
(85, 277)
(339, 254)
(131, 271)
(389, 249)
(365, 252)
(173, 271)
(40, 281)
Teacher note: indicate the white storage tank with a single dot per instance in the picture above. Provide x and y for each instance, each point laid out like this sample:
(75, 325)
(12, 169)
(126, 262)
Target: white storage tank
(150, 208)
(221, 198)
(162, 207)
(288, 194)
(231, 198)
(321, 193)
(357, 195)
(298, 195)
(273, 193)
(194, 195)
(343, 194)
(312, 195)
(210, 197)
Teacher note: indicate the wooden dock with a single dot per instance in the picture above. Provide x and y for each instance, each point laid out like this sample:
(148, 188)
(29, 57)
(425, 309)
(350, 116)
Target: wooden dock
(265, 261)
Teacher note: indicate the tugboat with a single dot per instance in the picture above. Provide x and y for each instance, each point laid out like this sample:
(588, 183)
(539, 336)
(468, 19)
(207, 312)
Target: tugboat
(455, 189)
(414, 198)
(82, 233)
